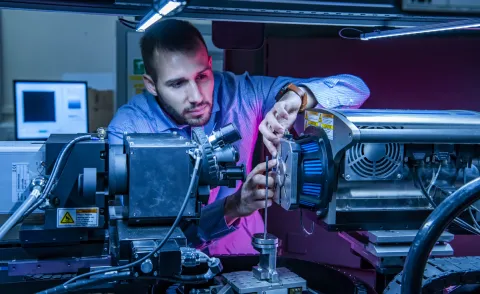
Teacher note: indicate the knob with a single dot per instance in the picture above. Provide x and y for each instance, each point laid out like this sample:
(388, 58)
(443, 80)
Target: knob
(146, 266)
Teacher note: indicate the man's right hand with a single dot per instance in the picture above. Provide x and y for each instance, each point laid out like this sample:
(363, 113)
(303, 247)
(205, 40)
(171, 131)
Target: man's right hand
(251, 196)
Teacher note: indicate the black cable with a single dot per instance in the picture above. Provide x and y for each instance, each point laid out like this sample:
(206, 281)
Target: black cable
(459, 222)
(87, 283)
(128, 24)
(56, 171)
(431, 230)
(167, 236)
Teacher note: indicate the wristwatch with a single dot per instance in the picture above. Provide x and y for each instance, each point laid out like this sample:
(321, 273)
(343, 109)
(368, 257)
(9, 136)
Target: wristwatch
(292, 87)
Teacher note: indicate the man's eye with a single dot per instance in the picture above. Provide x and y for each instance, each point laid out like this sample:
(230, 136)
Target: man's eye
(176, 85)
(201, 77)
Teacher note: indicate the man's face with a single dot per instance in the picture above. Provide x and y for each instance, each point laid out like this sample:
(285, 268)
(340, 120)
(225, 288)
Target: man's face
(184, 85)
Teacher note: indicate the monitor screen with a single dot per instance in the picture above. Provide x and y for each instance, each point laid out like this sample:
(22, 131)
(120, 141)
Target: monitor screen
(45, 108)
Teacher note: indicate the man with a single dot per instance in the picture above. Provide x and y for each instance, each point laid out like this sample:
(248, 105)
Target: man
(182, 91)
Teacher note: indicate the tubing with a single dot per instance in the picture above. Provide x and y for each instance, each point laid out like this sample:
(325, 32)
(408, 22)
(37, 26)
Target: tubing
(19, 212)
(79, 285)
(431, 230)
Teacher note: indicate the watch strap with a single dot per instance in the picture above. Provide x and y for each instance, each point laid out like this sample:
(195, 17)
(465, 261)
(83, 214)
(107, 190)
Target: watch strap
(302, 94)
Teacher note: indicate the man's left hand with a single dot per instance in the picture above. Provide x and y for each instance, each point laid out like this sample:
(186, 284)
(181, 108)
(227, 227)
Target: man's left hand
(280, 118)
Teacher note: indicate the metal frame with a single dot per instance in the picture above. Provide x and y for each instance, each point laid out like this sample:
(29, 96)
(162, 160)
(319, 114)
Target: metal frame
(318, 13)
(385, 13)
(121, 96)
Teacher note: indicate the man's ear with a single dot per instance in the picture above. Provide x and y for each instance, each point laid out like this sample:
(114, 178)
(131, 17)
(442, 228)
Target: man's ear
(149, 85)
(210, 61)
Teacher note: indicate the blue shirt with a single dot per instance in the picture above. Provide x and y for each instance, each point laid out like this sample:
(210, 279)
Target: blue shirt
(243, 100)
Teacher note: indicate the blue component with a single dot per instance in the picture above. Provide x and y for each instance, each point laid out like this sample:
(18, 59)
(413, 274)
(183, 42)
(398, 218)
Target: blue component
(306, 203)
(313, 167)
(309, 147)
(312, 189)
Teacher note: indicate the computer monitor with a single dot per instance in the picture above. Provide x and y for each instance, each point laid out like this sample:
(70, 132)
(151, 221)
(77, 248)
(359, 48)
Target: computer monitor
(43, 108)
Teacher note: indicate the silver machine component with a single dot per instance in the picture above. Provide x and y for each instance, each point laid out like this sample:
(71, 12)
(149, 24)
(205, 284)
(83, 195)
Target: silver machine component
(375, 175)
(244, 282)
(267, 267)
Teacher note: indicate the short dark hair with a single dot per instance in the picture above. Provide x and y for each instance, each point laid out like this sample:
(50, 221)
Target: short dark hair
(170, 35)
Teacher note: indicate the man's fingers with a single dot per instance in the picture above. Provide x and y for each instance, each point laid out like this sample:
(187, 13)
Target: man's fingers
(270, 146)
(260, 180)
(272, 121)
(260, 194)
(261, 204)
(266, 132)
(282, 113)
(261, 168)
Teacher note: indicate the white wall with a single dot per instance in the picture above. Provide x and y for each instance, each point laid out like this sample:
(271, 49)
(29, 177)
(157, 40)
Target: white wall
(47, 45)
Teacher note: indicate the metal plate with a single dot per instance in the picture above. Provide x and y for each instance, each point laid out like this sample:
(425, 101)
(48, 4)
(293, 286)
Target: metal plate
(396, 236)
(286, 182)
(245, 282)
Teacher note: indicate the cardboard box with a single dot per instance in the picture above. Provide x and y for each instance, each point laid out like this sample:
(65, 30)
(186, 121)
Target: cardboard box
(100, 108)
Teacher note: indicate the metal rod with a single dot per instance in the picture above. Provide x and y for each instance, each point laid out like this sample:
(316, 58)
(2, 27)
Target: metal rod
(447, 136)
(266, 202)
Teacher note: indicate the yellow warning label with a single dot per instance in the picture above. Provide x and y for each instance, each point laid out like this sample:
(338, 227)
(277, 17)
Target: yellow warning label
(77, 217)
(67, 219)
(327, 124)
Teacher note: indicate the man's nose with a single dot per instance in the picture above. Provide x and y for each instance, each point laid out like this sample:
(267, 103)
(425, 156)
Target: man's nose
(194, 95)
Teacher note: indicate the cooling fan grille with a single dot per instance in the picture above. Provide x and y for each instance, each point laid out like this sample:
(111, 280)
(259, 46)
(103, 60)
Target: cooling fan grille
(374, 160)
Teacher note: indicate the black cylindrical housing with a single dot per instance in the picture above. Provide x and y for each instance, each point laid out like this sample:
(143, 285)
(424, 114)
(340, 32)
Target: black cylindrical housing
(226, 135)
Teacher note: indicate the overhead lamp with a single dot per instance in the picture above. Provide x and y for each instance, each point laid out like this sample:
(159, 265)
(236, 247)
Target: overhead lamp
(454, 25)
(160, 9)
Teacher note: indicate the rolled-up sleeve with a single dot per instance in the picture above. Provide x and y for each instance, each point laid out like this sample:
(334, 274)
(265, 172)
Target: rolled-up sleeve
(212, 226)
(338, 91)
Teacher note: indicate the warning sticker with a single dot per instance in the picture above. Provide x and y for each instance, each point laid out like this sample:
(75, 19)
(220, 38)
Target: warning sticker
(327, 124)
(20, 181)
(77, 217)
(312, 118)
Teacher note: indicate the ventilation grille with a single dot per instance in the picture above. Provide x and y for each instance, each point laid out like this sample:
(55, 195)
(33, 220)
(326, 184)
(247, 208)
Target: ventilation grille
(374, 160)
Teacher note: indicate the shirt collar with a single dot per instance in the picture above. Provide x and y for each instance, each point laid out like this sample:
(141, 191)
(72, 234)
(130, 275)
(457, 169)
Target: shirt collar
(164, 122)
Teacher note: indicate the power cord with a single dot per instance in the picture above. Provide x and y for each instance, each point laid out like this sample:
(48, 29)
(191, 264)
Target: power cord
(340, 33)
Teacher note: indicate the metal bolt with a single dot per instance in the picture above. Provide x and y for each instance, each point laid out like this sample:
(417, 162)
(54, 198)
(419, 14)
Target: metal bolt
(399, 176)
(347, 177)
(155, 273)
(136, 275)
(155, 255)
(136, 255)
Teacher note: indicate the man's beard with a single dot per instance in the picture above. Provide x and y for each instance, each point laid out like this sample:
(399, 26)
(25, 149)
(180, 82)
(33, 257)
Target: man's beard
(181, 119)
